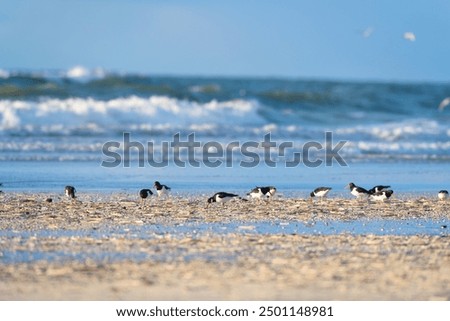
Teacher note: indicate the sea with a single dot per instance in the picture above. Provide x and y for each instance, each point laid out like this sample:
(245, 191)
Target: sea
(109, 132)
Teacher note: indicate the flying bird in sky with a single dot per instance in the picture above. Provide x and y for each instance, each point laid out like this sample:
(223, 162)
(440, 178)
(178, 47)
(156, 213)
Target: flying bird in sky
(367, 32)
(444, 103)
(409, 36)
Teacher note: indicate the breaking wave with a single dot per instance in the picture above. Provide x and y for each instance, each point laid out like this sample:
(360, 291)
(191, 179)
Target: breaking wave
(68, 114)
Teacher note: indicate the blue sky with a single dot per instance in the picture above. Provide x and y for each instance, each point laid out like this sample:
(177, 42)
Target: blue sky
(301, 39)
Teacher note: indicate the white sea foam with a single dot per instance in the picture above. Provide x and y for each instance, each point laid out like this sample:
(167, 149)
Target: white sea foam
(402, 146)
(395, 131)
(83, 73)
(4, 74)
(9, 120)
(121, 114)
(77, 72)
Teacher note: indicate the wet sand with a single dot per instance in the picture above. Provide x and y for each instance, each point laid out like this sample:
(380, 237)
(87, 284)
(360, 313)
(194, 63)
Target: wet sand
(212, 266)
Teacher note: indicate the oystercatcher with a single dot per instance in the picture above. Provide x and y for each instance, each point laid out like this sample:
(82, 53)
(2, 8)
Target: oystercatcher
(442, 195)
(378, 188)
(223, 197)
(70, 191)
(381, 195)
(357, 191)
(161, 190)
(320, 192)
(259, 192)
(144, 193)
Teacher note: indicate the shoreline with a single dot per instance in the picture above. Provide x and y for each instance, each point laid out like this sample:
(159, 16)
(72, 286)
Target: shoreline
(32, 211)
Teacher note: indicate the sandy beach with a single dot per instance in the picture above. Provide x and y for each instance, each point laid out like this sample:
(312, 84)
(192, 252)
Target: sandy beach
(58, 250)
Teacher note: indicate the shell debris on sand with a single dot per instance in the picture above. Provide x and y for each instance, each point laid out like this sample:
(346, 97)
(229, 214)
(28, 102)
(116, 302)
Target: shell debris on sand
(76, 260)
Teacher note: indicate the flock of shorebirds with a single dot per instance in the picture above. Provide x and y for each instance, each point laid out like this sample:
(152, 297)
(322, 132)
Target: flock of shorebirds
(376, 193)
(161, 190)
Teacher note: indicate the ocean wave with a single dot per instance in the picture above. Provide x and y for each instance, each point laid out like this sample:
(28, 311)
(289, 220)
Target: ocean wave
(395, 131)
(156, 113)
(345, 101)
(165, 115)
(91, 150)
(4, 74)
(83, 73)
(66, 114)
(301, 97)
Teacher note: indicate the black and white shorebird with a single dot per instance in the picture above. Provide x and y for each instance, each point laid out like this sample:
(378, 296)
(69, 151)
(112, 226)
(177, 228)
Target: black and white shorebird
(223, 197)
(144, 193)
(161, 190)
(443, 194)
(357, 191)
(70, 191)
(378, 188)
(381, 195)
(262, 192)
(320, 192)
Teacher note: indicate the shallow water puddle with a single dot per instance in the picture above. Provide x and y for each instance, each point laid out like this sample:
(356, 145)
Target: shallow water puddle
(100, 245)
(353, 227)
